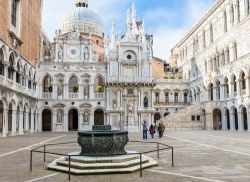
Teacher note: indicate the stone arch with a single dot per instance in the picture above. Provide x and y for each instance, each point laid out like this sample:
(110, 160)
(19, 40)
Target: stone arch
(218, 84)
(226, 87)
(234, 83)
(46, 119)
(210, 91)
(242, 80)
(217, 122)
(74, 84)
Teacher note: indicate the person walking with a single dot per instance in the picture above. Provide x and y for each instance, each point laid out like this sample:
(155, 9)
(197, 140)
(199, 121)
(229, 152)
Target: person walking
(160, 130)
(163, 129)
(144, 130)
(152, 131)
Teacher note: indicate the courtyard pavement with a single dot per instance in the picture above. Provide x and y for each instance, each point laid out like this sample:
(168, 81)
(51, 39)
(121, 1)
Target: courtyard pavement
(214, 156)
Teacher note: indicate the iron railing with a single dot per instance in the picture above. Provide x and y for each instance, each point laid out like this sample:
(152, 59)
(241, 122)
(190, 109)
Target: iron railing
(44, 152)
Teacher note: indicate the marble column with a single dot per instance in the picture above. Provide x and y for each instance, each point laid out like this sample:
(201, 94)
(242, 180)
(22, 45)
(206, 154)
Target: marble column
(91, 119)
(20, 122)
(91, 92)
(32, 123)
(26, 121)
(232, 121)
(66, 121)
(5, 122)
(247, 86)
(14, 119)
(222, 92)
(248, 120)
(40, 125)
(240, 121)
(224, 120)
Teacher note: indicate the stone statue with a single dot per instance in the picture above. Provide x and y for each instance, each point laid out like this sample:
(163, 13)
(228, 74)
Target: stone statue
(59, 116)
(60, 53)
(86, 117)
(86, 54)
(130, 108)
(145, 102)
(60, 89)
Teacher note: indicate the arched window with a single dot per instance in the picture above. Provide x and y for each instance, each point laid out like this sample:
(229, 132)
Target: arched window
(225, 21)
(223, 58)
(243, 81)
(11, 67)
(30, 77)
(1, 62)
(211, 92)
(34, 81)
(238, 11)
(73, 85)
(227, 56)
(18, 78)
(157, 97)
(47, 84)
(166, 97)
(226, 88)
(217, 90)
(247, 6)
(234, 85)
(232, 14)
(185, 97)
(99, 84)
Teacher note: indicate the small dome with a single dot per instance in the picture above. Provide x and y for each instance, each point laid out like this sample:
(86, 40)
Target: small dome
(84, 20)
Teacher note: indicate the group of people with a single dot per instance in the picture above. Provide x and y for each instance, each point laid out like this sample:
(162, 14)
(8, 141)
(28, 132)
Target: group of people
(153, 129)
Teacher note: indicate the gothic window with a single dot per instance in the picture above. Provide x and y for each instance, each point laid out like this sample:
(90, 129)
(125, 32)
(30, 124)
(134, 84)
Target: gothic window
(226, 87)
(211, 92)
(211, 33)
(99, 84)
(145, 101)
(185, 97)
(238, 11)
(11, 67)
(14, 12)
(227, 55)
(223, 58)
(204, 39)
(18, 79)
(232, 14)
(29, 81)
(1, 62)
(243, 81)
(234, 84)
(225, 21)
(247, 5)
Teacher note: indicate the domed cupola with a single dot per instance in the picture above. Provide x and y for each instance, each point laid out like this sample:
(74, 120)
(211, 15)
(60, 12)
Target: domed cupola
(82, 19)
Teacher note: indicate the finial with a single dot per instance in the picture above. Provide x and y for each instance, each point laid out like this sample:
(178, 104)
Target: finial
(133, 10)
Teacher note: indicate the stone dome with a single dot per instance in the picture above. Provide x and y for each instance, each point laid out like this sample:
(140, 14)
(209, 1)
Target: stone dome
(83, 20)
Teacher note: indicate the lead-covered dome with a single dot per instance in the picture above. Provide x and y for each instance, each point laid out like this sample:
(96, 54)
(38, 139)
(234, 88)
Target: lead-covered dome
(82, 19)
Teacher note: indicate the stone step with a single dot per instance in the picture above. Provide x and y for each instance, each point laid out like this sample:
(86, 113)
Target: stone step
(80, 165)
(53, 166)
(115, 159)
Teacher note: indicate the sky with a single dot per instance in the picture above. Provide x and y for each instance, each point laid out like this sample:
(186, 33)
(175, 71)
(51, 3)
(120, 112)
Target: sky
(167, 20)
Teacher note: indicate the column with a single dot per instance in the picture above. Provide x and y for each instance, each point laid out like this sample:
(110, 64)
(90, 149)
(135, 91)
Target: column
(139, 105)
(32, 123)
(247, 85)
(14, 119)
(5, 122)
(26, 121)
(81, 91)
(80, 121)
(37, 122)
(108, 97)
(91, 92)
(224, 120)
(240, 121)
(39, 115)
(118, 99)
(232, 121)
(91, 119)
(20, 122)
(222, 92)
(231, 92)
(54, 96)
(66, 91)
(215, 93)
(248, 120)
(66, 124)
(238, 87)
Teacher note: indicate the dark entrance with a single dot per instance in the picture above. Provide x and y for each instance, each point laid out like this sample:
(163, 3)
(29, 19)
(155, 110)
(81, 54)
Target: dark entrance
(99, 117)
(157, 117)
(217, 119)
(46, 120)
(73, 120)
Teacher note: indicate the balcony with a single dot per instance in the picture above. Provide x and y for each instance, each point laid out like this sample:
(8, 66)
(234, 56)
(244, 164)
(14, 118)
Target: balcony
(73, 95)
(47, 95)
(171, 103)
(99, 95)
(130, 80)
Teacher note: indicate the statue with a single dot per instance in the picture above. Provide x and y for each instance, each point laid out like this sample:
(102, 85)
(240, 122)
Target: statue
(86, 54)
(145, 102)
(86, 116)
(60, 89)
(60, 53)
(59, 116)
(130, 108)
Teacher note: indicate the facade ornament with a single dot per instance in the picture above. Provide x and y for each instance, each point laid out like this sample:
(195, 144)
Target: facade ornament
(60, 53)
(86, 116)
(86, 54)
(130, 108)
(59, 116)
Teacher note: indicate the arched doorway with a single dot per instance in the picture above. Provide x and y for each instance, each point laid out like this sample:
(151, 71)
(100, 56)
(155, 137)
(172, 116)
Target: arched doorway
(99, 117)
(1, 116)
(46, 120)
(228, 119)
(235, 113)
(204, 119)
(217, 124)
(30, 120)
(10, 118)
(157, 117)
(73, 120)
(244, 117)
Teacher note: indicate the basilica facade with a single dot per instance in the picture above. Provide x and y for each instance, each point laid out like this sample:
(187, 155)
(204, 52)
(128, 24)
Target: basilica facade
(84, 78)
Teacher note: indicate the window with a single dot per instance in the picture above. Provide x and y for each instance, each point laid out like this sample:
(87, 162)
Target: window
(185, 97)
(235, 51)
(238, 11)
(227, 55)
(14, 12)
(193, 118)
(1, 62)
(232, 15)
(204, 39)
(247, 4)
(176, 97)
(198, 118)
(166, 97)
(130, 91)
(47, 84)
(11, 69)
(225, 21)
(211, 33)
(157, 97)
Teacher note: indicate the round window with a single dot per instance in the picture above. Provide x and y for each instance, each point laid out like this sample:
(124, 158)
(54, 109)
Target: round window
(129, 56)
(73, 51)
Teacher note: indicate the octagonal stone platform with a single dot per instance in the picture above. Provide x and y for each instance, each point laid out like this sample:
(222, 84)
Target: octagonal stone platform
(102, 165)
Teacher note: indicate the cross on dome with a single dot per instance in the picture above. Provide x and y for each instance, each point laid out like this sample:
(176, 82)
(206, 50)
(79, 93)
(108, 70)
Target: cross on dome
(82, 3)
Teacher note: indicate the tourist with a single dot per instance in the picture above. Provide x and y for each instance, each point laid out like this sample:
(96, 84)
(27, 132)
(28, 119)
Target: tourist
(145, 130)
(163, 129)
(152, 131)
(160, 130)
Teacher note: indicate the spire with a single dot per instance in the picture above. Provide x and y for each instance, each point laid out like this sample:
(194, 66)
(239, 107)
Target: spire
(113, 34)
(82, 3)
(133, 15)
(128, 17)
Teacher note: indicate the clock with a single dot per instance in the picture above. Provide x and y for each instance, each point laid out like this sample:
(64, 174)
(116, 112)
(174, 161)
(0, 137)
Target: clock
(73, 52)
